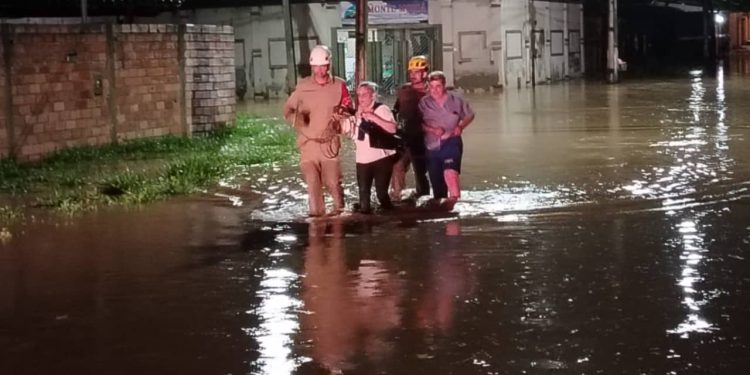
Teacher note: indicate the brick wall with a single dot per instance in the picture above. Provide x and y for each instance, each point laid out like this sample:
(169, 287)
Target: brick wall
(209, 69)
(73, 86)
(54, 106)
(147, 79)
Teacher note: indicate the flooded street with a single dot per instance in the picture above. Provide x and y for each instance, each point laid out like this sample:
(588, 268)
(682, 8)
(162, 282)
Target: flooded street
(604, 230)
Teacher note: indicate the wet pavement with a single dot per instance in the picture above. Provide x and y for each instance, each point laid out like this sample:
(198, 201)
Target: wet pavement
(604, 230)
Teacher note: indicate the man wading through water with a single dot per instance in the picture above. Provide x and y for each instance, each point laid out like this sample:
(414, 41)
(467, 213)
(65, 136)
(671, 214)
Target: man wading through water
(406, 108)
(446, 115)
(314, 109)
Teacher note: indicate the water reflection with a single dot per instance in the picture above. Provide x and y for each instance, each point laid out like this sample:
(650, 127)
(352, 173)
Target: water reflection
(359, 302)
(740, 64)
(604, 230)
(449, 282)
(522, 198)
(277, 311)
(278, 322)
(660, 146)
(699, 162)
(349, 310)
(691, 259)
(284, 200)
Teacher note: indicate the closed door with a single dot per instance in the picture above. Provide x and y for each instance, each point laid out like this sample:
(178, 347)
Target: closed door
(388, 52)
(540, 73)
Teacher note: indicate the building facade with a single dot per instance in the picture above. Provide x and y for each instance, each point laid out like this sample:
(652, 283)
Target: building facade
(480, 44)
(739, 30)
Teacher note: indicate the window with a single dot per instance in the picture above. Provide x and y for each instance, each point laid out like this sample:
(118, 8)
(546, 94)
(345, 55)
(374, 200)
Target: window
(513, 44)
(472, 45)
(557, 43)
(574, 41)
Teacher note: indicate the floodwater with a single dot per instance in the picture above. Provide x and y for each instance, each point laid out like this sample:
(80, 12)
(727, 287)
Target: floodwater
(604, 230)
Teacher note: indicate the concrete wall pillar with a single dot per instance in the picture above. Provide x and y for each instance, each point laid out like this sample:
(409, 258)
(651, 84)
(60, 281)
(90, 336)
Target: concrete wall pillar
(7, 59)
(111, 78)
(582, 34)
(548, 42)
(612, 53)
(449, 49)
(496, 40)
(566, 41)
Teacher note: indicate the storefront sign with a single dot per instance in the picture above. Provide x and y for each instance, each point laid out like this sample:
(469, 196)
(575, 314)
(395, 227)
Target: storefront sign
(387, 12)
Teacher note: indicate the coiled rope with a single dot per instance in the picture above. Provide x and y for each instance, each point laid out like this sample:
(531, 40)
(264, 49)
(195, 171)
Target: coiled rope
(329, 142)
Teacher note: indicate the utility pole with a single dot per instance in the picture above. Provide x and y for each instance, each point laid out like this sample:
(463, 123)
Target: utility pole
(712, 30)
(291, 67)
(612, 53)
(84, 12)
(706, 20)
(532, 38)
(360, 39)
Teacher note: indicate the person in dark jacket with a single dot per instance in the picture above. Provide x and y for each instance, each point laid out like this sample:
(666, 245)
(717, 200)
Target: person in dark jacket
(413, 154)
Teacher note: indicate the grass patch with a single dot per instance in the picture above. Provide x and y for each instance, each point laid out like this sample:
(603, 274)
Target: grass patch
(9, 214)
(5, 235)
(145, 170)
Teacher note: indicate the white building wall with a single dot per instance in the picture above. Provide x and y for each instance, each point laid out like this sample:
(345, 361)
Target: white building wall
(440, 12)
(471, 38)
(259, 30)
(556, 38)
(575, 40)
(473, 65)
(515, 37)
(489, 42)
(485, 43)
(540, 19)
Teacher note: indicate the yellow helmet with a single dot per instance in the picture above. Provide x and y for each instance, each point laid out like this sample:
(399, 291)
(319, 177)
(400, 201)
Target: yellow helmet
(418, 63)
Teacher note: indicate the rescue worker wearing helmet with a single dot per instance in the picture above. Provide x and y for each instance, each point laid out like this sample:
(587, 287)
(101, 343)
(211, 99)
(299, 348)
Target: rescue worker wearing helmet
(414, 153)
(314, 109)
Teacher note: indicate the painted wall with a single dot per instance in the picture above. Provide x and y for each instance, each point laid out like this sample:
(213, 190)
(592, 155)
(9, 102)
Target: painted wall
(468, 29)
(260, 46)
(515, 31)
(555, 39)
(489, 42)
(485, 43)
(574, 40)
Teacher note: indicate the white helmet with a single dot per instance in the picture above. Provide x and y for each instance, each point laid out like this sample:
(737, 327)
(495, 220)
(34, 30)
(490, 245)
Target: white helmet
(320, 55)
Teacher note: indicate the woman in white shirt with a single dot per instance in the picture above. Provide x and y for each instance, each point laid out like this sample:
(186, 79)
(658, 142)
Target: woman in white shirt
(372, 131)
